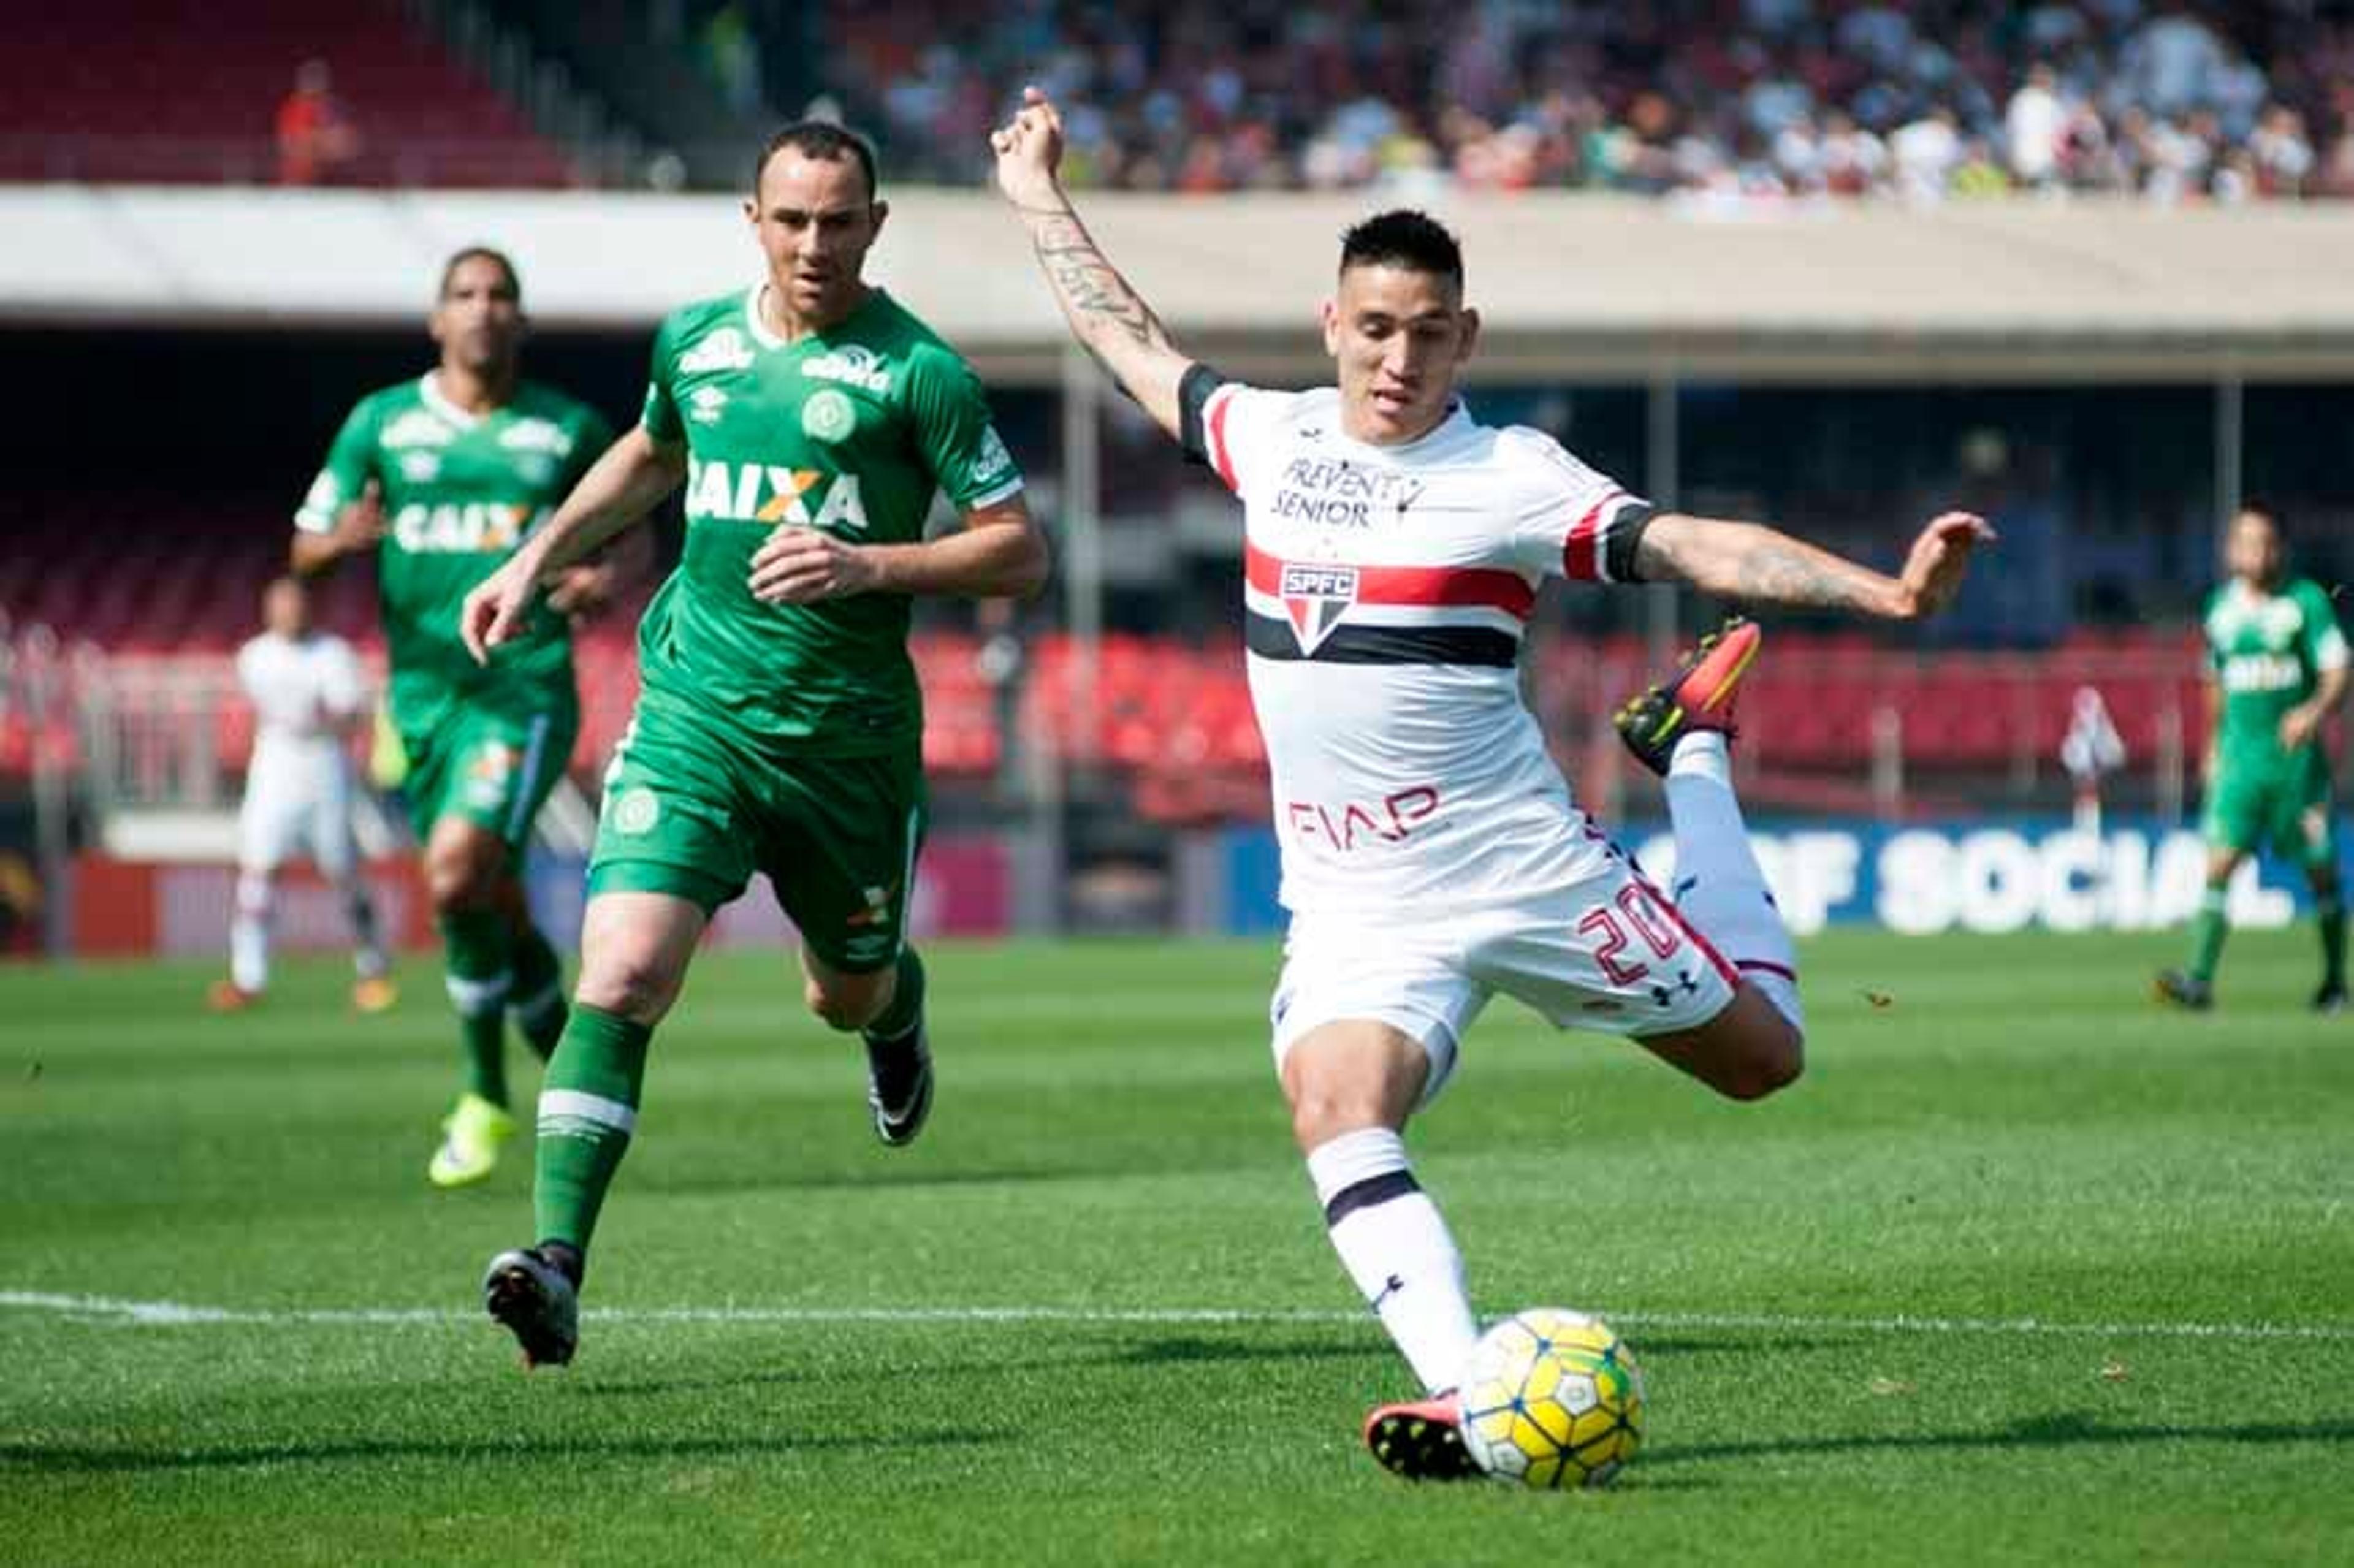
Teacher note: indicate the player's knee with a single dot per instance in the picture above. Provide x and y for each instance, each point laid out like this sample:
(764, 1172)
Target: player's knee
(844, 1002)
(635, 986)
(459, 881)
(1774, 1061)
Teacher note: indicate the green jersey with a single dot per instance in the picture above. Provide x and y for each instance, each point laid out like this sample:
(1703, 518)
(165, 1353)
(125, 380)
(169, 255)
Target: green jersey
(852, 430)
(2267, 651)
(460, 491)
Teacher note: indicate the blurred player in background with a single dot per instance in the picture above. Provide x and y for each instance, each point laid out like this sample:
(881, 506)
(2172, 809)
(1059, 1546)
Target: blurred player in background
(2276, 669)
(1431, 854)
(780, 727)
(309, 702)
(441, 480)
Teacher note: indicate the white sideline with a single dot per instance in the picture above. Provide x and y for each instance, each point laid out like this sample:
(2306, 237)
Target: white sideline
(178, 1314)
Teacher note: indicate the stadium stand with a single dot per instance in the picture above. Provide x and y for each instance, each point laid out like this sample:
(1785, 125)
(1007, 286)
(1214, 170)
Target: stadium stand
(1763, 99)
(169, 91)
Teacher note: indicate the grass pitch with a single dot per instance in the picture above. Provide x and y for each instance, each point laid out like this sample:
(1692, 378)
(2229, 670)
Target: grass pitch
(2023, 1271)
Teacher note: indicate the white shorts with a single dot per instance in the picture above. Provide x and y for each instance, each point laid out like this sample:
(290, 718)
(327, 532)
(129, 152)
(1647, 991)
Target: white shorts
(292, 811)
(1610, 953)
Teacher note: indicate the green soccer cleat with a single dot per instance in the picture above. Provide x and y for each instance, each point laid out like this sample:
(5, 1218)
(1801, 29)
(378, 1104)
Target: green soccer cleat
(531, 1294)
(1698, 697)
(471, 1138)
(1420, 1440)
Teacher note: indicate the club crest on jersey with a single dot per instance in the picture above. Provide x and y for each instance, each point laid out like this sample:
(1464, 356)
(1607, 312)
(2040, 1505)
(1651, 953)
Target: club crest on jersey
(1315, 597)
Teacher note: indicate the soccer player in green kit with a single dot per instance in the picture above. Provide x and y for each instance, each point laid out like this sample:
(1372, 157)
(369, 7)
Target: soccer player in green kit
(441, 479)
(779, 726)
(2277, 668)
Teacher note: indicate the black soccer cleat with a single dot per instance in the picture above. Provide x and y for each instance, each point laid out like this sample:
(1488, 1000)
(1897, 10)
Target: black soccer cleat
(536, 1300)
(2330, 998)
(1698, 697)
(899, 1085)
(2188, 991)
(1419, 1440)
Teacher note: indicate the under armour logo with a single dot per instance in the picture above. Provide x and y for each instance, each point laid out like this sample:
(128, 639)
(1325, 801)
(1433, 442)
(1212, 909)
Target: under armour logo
(1395, 1284)
(1684, 978)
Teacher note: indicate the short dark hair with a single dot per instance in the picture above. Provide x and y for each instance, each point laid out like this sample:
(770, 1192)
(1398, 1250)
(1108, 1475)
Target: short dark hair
(480, 254)
(2263, 509)
(1404, 237)
(819, 139)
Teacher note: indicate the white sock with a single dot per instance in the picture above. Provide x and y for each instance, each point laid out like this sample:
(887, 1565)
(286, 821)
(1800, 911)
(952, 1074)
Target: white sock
(1395, 1244)
(1718, 883)
(248, 935)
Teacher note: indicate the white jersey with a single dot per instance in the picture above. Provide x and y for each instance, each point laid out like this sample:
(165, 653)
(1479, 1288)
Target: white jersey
(305, 692)
(1387, 590)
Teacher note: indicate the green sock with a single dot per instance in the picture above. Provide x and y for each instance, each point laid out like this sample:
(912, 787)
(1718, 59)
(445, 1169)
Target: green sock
(538, 993)
(2331, 913)
(2208, 929)
(588, 1106)
(907, 1009)
(478, 948)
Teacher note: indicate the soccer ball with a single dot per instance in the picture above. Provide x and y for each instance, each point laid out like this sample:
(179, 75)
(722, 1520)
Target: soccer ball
(1551, 1398)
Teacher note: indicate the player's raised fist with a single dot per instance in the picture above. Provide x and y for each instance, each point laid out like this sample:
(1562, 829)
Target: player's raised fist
(1029, 150)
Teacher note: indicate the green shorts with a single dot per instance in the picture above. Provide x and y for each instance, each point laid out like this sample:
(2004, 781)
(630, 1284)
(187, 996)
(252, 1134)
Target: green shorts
(2289, 812)
(493, 767)
(693, 811)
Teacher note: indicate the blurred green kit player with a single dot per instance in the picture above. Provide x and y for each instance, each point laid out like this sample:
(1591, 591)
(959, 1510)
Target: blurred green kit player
(779, 727)
(2276, 669)
(441, 480)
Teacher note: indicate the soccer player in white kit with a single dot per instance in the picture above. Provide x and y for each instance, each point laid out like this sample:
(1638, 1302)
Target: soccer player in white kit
(1432, 855)
(307, 698)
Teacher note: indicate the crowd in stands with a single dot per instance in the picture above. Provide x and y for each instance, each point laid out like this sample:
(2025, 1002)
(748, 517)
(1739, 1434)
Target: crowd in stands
(1716, 100)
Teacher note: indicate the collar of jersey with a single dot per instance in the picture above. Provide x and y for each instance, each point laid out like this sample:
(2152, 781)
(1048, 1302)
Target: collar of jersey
(1453, 423)
(766, 339)
(429, 388)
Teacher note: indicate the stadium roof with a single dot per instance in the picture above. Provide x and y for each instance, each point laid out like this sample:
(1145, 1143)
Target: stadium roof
(1585, 287)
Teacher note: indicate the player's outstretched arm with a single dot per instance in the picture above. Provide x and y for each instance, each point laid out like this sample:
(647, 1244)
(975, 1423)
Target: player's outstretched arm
(621, 487)
(1752, 563)
(1109, 318)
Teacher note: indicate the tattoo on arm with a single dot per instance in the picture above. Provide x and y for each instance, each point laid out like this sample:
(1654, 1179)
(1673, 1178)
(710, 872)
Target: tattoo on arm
(1097, 298)
(1758, 565)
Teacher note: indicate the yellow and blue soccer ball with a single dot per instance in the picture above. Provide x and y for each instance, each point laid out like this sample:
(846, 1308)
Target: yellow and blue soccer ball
(1551, 1398)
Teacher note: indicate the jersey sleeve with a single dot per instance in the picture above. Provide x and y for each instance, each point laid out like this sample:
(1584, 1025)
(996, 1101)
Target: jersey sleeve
(1573, 521)
(660, 416)
(2325, 642)
(351, 463)
(248, 679)
(1228, 426)
(958, 441)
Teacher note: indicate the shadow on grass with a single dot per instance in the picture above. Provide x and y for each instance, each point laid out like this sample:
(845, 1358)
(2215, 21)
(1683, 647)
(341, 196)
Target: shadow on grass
(79, 1459)
(2062, 1431)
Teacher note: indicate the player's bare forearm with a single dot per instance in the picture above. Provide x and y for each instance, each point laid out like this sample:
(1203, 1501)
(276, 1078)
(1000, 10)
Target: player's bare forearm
(998, 554)
(1758, 565)
(624, 485)
(313, 554)
(1108, 316)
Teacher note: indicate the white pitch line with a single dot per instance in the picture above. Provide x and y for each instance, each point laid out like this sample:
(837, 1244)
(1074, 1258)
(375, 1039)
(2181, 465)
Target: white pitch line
(179, 1314)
